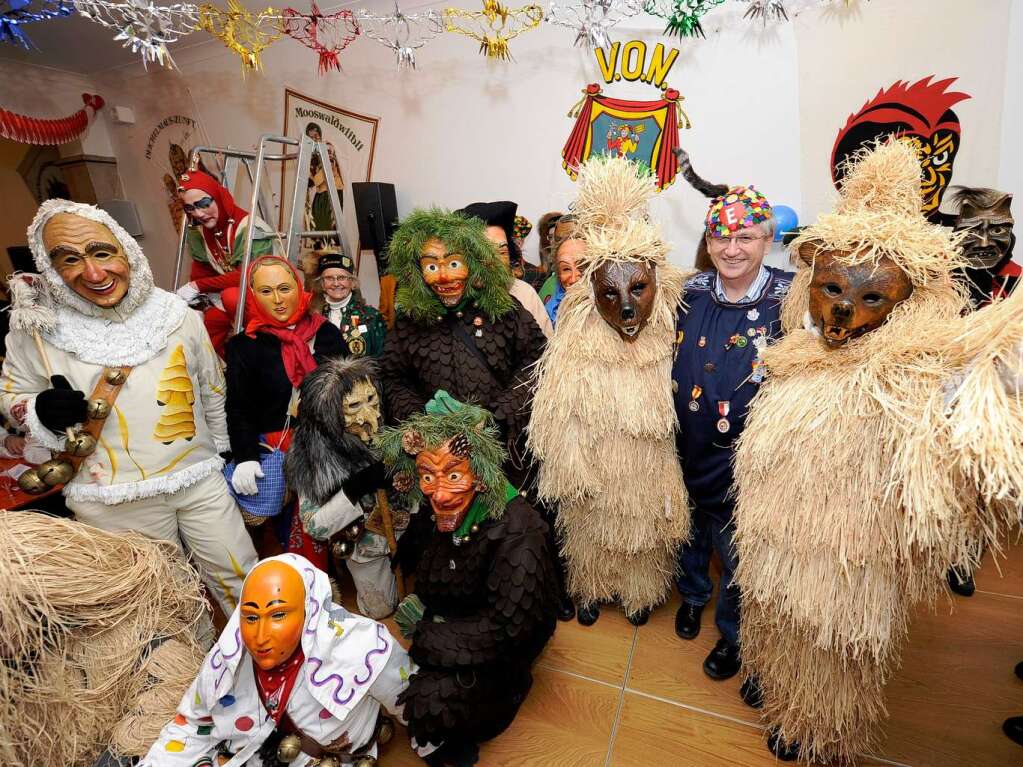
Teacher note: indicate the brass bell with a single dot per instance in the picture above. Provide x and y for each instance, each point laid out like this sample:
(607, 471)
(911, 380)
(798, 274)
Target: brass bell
(81, 444)
(97, 409)
(56, 472)
(289, 749)
(364, 761)
(31, 482)
(329, 761)
(354, 531)
(115, 377)
(342, 549)
(385, 730)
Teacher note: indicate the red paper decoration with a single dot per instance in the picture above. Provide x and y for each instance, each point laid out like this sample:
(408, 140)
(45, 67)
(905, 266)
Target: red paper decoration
(327, 34)
(35, 130)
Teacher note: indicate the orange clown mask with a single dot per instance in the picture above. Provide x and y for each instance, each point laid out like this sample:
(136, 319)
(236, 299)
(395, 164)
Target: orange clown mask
(445, 273)
(272, 613)
(277, 291)
(447, 479)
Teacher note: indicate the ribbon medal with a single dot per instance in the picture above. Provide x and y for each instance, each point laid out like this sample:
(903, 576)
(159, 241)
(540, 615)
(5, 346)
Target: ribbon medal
(694, 405)
(723, 425)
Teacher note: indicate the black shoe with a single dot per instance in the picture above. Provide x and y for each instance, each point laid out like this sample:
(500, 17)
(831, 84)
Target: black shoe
(587, 615)
(641, 617)
(1019, 669)
(962, 585)
(566, 609)
(723, 661)
(785, 752)
(751, 693)
(1013, 727)
(687, 620)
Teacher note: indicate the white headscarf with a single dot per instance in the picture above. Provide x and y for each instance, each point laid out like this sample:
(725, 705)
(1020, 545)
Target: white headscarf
(130, 333)
(344, 653)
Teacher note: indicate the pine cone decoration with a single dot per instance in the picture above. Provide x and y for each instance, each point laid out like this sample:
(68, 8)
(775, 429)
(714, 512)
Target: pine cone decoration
(459, 446)
(412, 442)
(403, 481)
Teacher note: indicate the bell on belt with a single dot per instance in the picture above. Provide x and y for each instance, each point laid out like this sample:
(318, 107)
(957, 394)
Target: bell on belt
(115, 377)
(289, 748)
(55, 472)
(364, 761)
(97, 409)
(81, 444)
(342, 549)
(329, 761)
(354, 531)
(32, 483)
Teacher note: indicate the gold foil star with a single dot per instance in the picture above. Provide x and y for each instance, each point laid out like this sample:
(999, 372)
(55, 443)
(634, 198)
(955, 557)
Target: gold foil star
(494, 26)
(246, 33)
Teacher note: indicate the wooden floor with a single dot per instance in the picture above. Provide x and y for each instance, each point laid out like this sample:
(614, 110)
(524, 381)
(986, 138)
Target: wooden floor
(616, 695)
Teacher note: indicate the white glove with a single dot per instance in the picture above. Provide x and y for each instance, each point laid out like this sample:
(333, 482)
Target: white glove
(188, 292)
(244, 478)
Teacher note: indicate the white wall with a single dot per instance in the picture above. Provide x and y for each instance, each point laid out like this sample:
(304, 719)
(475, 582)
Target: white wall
(765, 107)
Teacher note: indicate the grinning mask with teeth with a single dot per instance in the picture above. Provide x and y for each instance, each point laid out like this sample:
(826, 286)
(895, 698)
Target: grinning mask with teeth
(847, 301)
(624, 294)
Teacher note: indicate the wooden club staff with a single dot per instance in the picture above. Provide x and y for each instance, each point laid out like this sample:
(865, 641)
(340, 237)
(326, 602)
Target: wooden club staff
(392, 542)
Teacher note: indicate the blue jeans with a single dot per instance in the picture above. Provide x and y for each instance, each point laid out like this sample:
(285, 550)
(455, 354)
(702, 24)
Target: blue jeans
(712, 531)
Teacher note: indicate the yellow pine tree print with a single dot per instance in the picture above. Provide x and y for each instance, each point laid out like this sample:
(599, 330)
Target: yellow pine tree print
(175, 395)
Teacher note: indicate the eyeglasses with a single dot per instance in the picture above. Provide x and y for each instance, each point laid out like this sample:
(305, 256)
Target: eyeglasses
(742, 240)
(335, 280)
(200, 204)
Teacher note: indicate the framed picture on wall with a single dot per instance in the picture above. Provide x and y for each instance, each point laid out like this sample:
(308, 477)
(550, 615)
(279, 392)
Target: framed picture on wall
(351, 141)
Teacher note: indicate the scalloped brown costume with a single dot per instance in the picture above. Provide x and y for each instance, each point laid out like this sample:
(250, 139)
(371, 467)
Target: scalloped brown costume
(603, 421)
(875, 456)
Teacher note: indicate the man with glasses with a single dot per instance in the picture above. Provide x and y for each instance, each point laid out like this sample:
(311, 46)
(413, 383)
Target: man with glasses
(731, 313)
(361, 325)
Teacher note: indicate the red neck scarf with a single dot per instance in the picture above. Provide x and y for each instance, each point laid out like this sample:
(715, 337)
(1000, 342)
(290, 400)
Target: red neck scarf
(275, 685)
(298, 360)
(219, 240)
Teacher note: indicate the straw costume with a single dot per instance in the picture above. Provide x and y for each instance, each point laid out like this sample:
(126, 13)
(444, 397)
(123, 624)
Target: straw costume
(874, 458)
(603, 418)
(98, 637)
(484, 578)
(156, 466)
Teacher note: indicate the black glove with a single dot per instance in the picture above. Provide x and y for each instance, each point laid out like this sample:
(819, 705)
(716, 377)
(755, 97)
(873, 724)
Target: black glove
(366, 482)
(60, 406)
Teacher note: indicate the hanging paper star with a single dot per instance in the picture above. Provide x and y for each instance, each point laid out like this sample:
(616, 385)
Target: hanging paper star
(15, 14)
(683, 16)
(592, 18)
(328, 34)
(494, 26)
(766, 10)
(246, 33)
(402, 33)
(141, 25)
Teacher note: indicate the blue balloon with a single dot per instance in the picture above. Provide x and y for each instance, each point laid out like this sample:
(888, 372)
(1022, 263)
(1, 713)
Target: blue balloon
(785, 220)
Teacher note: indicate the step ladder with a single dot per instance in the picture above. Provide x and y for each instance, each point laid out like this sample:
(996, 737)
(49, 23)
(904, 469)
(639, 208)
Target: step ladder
(301, 150)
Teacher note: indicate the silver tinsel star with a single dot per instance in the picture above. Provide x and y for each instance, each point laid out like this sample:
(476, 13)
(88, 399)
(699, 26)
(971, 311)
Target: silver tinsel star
(591, 19)
(142, 25)
(766, 10)
(403, 33)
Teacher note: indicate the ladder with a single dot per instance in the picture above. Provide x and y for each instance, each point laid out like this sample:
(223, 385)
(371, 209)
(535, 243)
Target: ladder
(301, 150)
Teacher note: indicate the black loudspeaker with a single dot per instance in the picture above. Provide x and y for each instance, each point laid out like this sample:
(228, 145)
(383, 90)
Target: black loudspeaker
(376, 210)
(21, 259)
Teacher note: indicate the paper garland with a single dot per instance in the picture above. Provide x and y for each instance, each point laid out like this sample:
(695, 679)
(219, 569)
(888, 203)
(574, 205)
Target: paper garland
(493, 26)
(141, 25)
(403, 33)
(765, 10)
(326, 34)
(245, 32)
(592, 18)
(36, 130)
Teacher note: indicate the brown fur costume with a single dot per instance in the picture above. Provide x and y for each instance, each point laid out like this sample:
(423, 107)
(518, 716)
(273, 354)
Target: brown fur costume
(603, 419)
(865, 471)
